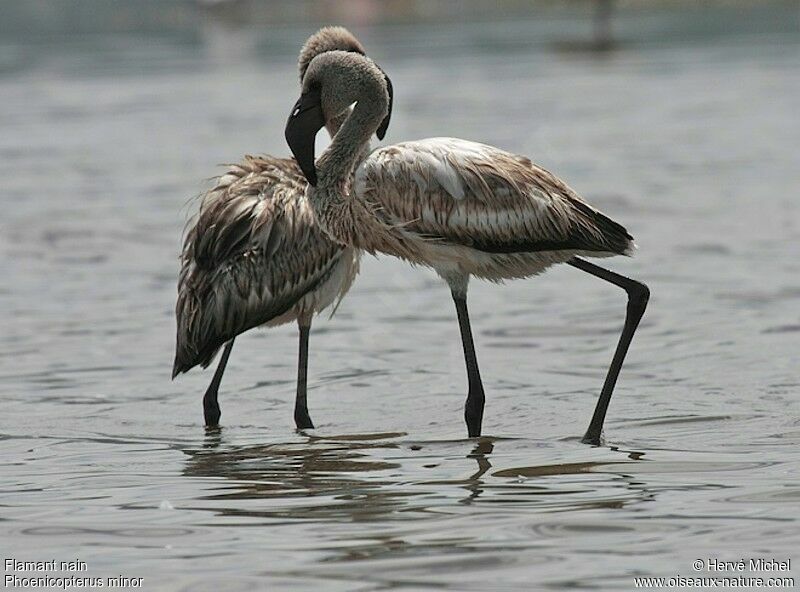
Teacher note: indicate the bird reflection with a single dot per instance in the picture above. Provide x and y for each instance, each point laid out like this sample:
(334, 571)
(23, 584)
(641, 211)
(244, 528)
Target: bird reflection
(213, 437)
(322, 477)
(474, 482)
(310, 477)
(369, 477)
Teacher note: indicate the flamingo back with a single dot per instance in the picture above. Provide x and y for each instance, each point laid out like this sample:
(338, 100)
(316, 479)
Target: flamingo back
(494, 214)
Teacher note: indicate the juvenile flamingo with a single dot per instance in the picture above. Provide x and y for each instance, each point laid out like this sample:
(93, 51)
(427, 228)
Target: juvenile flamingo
(463, 208)
(254, 256)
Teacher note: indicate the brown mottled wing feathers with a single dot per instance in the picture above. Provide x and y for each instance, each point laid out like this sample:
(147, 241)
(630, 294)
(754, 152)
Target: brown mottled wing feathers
(250, 254)
(463, 193)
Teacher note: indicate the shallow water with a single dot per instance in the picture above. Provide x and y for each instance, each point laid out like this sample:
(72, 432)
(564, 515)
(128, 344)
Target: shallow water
(693, 146)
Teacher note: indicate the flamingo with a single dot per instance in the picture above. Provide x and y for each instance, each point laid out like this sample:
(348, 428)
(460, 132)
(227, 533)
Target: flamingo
(253, 256)
(461, 208)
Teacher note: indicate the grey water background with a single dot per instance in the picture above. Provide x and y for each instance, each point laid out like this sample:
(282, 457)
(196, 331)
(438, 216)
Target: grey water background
(687, 132)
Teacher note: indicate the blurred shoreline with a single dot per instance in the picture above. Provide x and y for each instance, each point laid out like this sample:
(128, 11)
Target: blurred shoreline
(232, 32)
(64, 17)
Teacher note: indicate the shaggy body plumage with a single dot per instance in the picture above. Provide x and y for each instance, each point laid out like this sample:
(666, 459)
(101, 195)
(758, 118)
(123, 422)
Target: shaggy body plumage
(254, 256)
(460, 207)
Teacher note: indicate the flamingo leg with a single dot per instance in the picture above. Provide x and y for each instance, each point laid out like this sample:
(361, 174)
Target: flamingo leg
(638, 295)
(473, 408)
(211, 410)
(301, 417)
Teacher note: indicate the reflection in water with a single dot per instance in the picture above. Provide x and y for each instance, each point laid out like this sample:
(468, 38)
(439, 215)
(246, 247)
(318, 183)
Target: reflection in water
(331, 470)
(322, 472)
(480, 453)
(375, 476)
(383, 507)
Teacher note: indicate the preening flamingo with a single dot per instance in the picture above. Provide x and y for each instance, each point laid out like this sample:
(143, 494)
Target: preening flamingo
(254, 256)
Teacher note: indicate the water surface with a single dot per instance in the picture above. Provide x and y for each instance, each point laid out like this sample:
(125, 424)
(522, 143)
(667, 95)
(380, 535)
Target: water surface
(693, 146)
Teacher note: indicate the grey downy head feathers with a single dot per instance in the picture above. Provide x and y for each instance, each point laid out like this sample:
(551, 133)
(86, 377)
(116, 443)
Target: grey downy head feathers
(324, 40)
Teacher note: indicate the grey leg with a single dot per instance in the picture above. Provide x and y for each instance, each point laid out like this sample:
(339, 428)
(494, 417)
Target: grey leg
(638, 295)
(301, 417)
(473, 408)
(211, 410)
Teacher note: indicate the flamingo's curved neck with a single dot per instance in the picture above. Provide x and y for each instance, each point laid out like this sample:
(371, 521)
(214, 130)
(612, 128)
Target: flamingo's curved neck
(338, 212)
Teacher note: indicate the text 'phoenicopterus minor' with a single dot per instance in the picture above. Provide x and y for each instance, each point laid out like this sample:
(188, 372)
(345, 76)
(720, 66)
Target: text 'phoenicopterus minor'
(460, 207)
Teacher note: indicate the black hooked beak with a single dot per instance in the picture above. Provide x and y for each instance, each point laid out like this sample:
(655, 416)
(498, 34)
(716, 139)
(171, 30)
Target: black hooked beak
(304, 122)
(381, 131)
